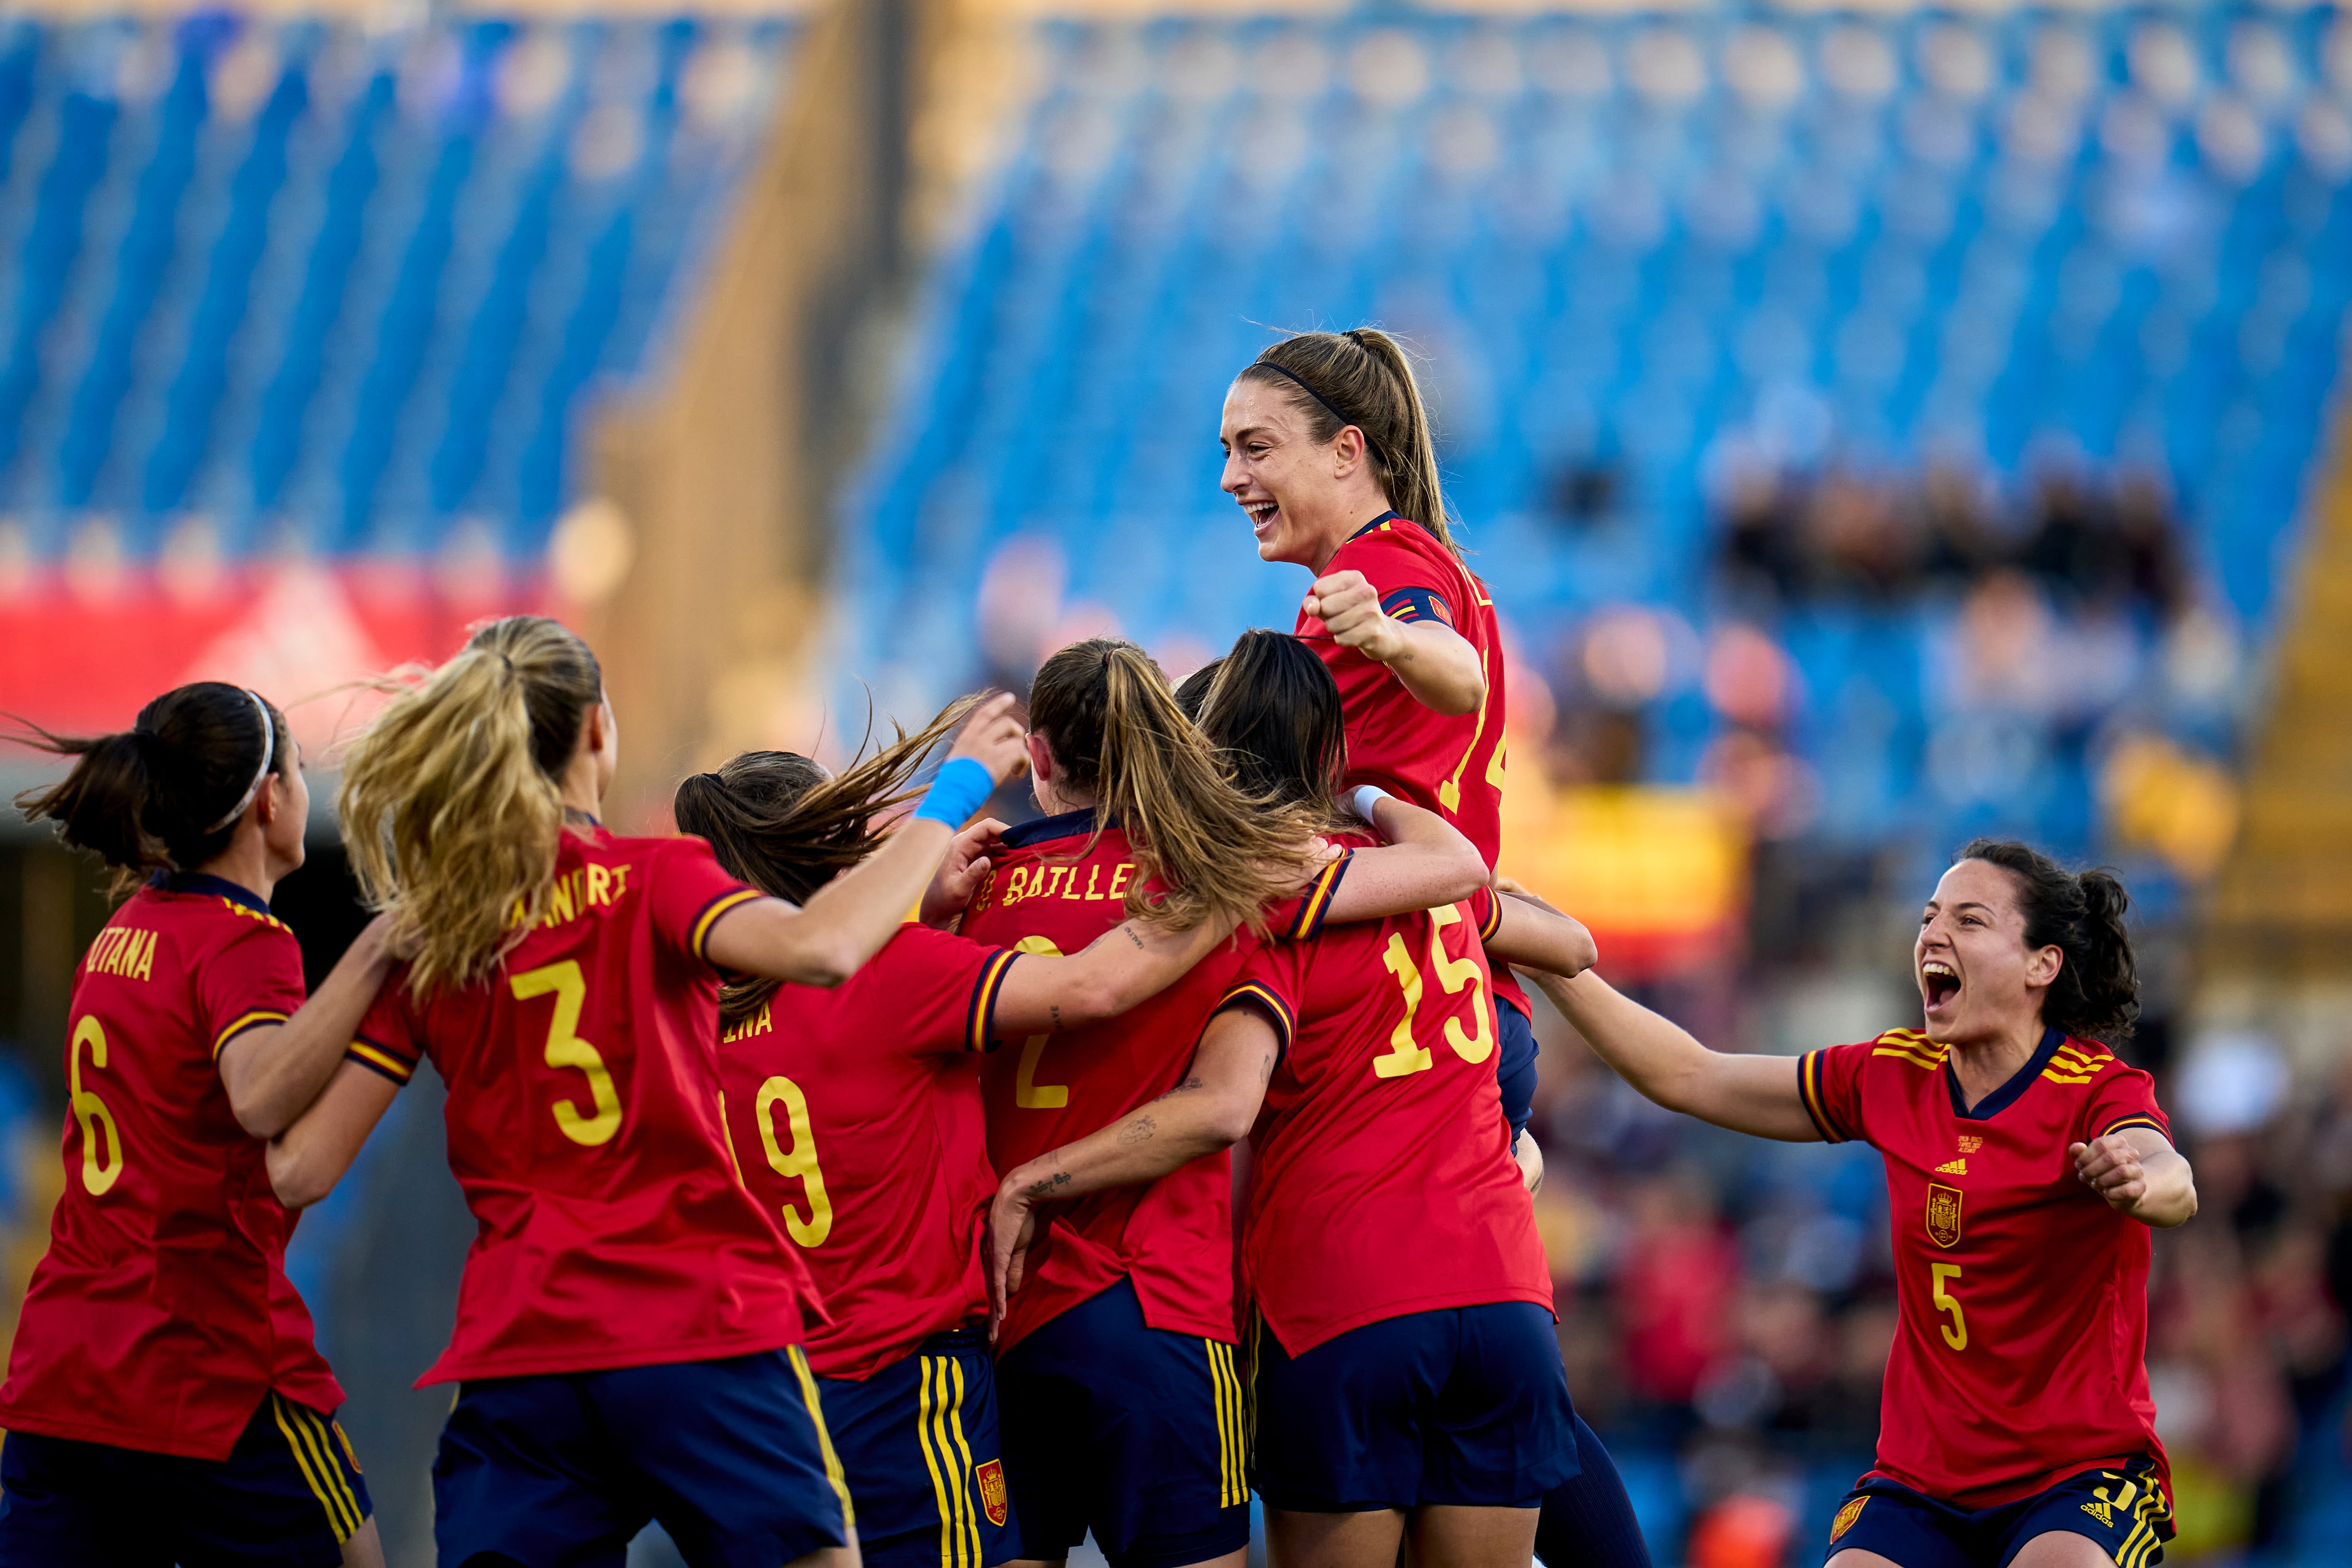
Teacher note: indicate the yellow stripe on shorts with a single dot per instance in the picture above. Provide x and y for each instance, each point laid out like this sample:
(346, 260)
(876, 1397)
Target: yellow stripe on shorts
(318, 1467)
(1225, 1394)
(823, 1439)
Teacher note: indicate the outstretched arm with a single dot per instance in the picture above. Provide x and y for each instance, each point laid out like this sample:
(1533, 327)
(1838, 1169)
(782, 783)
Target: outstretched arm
(2140, 1173)
(272, 1073)
(1657, 1057)
(1536, 937)
(1213, 1107)
(1432, 661)
(1127, 965)
(852, 916)
(1425, 865)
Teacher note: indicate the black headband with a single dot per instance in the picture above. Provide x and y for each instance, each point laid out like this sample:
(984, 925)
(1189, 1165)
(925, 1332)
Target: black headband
(1301, 381)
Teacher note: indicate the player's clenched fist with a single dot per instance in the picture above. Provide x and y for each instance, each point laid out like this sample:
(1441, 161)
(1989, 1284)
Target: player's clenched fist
(1349, 608)
(994, 738)
(2111, 1167)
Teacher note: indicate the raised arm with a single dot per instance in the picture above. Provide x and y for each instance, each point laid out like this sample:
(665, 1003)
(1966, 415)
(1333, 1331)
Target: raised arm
(1125, 966)
(271, 1073)
(1426, 864)
(2140, 1173)
(825, 942)
(309, 1157)
(1430, 659)
(1745, 1093)
(1213, 1107)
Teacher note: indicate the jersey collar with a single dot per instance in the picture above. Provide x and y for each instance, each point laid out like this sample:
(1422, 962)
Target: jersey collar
(1038, 830)
(1384, 516)
(2019, 1081)
(207, 885)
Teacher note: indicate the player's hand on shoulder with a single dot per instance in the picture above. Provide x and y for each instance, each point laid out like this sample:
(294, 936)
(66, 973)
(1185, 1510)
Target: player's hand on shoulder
(2111, 1167)
(994, 739)
(1349, 608)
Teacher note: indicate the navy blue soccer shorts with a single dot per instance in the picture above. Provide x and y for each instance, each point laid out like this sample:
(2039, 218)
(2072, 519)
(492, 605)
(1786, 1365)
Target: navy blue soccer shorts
(919, 1444)
(1515, 1065)
(561, 1470)
(1466, 1406)
(288, 1494)
(2124, 1510)
(1134, 1432)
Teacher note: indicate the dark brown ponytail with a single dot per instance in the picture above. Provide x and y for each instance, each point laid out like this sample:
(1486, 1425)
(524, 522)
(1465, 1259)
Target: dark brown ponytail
(1362, 378)
(1271, 707)
(782, 824)
(2096, 993)
(167, 792)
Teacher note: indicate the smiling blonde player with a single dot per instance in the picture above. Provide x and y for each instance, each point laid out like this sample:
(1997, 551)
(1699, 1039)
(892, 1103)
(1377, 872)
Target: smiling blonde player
(2024, 1165)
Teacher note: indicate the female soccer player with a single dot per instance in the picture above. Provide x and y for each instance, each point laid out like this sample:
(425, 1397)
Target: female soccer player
(1122, 1405)
(629, 1324)
(2024, 1165)
(856, 1114)
(1328, 449)
(1405, 1370)
(164, 1401)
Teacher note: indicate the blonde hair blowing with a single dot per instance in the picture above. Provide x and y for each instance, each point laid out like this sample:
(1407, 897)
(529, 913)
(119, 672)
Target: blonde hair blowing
(450, 808)
(1363, 378)
(1105, 708)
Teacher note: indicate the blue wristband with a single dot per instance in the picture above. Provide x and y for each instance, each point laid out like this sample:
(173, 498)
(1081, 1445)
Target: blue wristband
(962, 787)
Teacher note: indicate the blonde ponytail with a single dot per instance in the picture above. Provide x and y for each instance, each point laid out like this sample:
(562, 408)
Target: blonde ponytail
(450, 806)
(1363, 378)
(1117, 733)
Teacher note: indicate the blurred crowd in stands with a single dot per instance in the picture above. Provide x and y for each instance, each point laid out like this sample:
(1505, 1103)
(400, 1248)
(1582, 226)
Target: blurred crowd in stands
(1725, 1308)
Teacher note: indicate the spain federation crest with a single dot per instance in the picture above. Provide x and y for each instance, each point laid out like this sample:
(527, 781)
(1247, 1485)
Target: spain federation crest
(1943, 1215)
(991, 1476)
(1846, 1516)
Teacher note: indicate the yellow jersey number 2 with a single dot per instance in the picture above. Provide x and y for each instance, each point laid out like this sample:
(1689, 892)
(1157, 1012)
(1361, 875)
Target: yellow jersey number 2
(565, 1049)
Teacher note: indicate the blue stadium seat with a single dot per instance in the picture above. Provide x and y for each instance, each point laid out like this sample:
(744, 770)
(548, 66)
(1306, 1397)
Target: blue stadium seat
(353, 284)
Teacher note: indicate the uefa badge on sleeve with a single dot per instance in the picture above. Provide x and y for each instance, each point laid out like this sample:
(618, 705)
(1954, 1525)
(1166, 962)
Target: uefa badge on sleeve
(991, 1476)
(1943, 1215)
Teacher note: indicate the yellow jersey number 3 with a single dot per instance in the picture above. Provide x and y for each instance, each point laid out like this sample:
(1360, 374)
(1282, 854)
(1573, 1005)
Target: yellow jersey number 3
(566, 1049)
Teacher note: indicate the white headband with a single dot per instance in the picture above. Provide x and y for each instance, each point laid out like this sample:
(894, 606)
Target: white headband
(269, 755)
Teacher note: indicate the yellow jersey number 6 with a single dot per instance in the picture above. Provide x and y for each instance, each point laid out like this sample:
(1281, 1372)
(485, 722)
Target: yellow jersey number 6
(97, 1175)
(565, 1049)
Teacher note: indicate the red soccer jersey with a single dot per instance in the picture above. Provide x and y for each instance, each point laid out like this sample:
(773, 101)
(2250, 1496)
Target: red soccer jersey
(1383, 1181)
(1049, 892)
(1451, 763)
(162, 1314)
(583, 1126)
(2020, 1355)
(855, 1115)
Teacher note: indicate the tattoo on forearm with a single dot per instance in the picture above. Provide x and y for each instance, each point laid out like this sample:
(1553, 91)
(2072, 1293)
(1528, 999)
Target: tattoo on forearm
(1138, 1131)
(1133, 937)
(1192, 1082)
(1057, 1013)
(1047, 1185)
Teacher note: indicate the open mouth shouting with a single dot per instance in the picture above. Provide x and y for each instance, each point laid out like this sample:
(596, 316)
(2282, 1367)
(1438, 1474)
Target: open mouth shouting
(1262, 511)
(1939, 984)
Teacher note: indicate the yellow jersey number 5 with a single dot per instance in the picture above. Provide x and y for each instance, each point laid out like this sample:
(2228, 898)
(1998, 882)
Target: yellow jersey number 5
(565, 1049)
